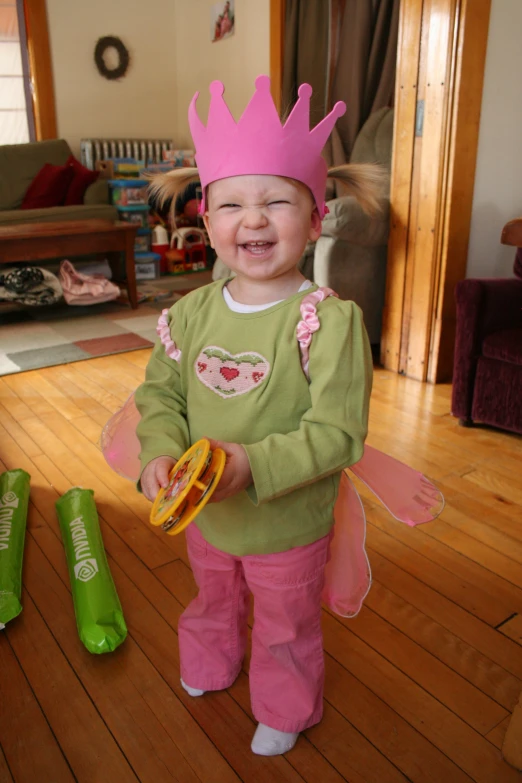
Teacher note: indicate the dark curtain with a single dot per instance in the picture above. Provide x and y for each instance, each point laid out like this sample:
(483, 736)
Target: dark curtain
(306, 54)
(365, 68)
(346, 49)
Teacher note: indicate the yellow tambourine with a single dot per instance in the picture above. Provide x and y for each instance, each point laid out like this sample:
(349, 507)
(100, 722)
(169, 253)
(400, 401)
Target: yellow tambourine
(192, 482)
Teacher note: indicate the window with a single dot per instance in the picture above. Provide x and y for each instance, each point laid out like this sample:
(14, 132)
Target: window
(16, 105)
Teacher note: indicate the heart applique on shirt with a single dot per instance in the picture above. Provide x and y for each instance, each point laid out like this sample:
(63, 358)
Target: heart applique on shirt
(230, 374)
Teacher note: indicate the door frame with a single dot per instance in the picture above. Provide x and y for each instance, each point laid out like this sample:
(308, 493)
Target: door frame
(440, 61)
(41, 70)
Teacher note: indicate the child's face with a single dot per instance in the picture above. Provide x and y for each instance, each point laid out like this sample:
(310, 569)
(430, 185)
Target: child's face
(259, 224)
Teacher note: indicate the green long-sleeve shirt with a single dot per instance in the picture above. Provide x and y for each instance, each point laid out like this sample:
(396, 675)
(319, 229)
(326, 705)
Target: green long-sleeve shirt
(240, 379)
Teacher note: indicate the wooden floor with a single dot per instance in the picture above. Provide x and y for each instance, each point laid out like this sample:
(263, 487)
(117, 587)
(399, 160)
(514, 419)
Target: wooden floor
(419, 686)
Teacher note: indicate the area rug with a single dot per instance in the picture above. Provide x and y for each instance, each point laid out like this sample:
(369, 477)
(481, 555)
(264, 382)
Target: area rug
(41, 337)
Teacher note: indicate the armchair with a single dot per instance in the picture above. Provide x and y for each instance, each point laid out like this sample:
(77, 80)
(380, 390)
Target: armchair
(487, 373)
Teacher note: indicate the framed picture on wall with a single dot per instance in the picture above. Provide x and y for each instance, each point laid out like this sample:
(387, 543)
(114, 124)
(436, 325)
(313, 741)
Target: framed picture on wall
(222, 18)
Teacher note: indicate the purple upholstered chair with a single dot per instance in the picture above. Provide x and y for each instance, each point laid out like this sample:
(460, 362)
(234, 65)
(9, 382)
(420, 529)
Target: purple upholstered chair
(487, 372)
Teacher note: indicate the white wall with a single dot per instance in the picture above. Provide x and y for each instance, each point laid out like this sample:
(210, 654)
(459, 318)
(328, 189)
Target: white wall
(235, 61)
(171, 57)
(498, 180)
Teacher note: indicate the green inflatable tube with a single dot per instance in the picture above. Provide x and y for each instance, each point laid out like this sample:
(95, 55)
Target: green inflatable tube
(14, 499)
(99, 616)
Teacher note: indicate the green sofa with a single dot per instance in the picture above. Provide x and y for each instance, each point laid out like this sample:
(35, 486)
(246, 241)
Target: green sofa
(19, 164)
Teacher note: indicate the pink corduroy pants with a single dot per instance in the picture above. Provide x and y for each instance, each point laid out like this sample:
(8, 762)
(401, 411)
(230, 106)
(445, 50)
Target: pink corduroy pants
(287, 664)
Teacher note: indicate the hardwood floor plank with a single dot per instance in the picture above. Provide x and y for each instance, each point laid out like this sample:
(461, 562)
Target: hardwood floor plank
(84, 738)
(5, 774)
(474, 550)
(74, 441)
(461, 657)
(145, 624)
(418, 687)
(150, 547)
(484, 534)
(25, 387)
(54, 393)
(463, 581)
(78, 395)
(403, 448)
(384, 729)
(30, 748)
(348, 750)
(148, 723)
(449, 615)
(89, 386)
(108, 483)
(513, 628)
(89, 428)
(479, 511)
(128, 374)
(496, 735)
(17, 433)
(495, 482)
(464, 746)
(138, 358)
(497, 504)
(425, 669)
(105, 378)
(437, 451)
(12, 403)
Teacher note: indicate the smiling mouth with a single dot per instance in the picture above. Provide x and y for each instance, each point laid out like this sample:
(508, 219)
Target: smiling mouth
(257, 248)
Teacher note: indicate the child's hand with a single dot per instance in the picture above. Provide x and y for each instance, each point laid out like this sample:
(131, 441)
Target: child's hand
(156, 475)
(237, 474)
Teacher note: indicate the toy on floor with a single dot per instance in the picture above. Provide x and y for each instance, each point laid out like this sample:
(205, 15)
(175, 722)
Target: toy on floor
(192, 482)
(187, 252)
(407, 495)
(99, 617)
(14, 499)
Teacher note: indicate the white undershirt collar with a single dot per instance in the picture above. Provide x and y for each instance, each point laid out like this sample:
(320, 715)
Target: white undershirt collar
(237, 307)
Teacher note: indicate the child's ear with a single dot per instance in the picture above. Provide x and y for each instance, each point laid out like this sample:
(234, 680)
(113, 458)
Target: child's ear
(315, 226)
(206, 221)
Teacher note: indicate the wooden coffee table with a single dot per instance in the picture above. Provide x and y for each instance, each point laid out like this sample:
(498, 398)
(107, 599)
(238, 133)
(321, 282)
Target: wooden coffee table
(40, 241)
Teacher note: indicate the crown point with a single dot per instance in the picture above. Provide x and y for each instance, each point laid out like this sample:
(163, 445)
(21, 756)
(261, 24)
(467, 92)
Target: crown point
(263, 84)
(216, 89)
(305, 91)
(339, 109)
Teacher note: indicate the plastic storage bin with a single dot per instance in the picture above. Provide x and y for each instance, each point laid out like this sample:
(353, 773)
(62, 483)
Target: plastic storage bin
(142, 241)
(128, 192)
(137, 214)
(147, 266)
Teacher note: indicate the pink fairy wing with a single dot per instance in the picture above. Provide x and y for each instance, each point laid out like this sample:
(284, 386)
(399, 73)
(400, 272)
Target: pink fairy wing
(119, 442)
(347, 574)
(408, 495)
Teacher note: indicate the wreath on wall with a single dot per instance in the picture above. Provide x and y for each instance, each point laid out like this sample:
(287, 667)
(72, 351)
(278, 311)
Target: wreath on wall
(111, 42)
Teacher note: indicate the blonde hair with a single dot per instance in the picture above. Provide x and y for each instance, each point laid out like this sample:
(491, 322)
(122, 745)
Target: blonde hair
(171, 185)
(364, 181)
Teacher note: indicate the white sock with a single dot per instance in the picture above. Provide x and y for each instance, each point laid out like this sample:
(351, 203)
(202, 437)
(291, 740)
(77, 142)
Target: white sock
(192, 691)
(271, 742)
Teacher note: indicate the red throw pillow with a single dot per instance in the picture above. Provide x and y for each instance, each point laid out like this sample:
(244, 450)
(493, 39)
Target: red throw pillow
(48, 188)
(81, 180)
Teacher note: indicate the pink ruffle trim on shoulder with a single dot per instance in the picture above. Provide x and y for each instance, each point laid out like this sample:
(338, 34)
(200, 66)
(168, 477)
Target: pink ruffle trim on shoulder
(163, 330)
(310, 323)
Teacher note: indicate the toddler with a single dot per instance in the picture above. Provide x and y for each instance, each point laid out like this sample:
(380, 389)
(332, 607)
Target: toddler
(277, 373)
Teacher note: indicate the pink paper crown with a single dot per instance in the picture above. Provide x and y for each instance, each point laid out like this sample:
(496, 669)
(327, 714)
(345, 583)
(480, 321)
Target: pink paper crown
(258, 143)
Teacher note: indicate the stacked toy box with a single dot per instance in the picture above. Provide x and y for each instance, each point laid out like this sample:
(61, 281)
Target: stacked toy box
(129, 196)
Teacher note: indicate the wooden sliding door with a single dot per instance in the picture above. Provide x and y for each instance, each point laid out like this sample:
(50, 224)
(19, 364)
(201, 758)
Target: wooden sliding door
(440, 68)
